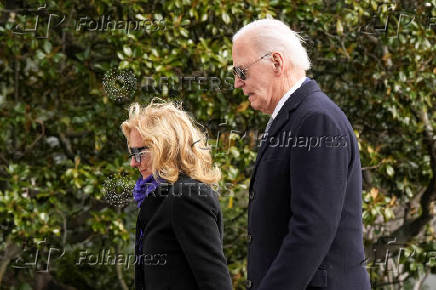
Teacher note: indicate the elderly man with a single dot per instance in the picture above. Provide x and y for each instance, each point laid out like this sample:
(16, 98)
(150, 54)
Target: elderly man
(305, 209)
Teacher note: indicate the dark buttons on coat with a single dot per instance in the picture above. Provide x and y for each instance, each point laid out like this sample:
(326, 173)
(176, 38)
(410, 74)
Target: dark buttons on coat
(251, 195)
(249, 284)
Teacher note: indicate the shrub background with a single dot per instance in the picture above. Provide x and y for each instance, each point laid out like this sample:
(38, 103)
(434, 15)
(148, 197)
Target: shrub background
(60, 138)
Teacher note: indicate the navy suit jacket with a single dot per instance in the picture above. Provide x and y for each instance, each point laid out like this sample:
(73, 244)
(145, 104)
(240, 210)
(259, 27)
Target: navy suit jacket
(305, 209)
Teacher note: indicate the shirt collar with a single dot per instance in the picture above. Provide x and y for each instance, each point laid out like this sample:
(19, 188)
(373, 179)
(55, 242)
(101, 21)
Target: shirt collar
(287, 96)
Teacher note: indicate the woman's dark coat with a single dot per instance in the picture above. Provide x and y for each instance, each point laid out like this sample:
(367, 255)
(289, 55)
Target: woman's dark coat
(182, 239)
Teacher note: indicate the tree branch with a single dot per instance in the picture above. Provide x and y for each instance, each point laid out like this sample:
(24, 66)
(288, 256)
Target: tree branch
(421, 281)
(412, 228)
(120, 273)
(11, 251)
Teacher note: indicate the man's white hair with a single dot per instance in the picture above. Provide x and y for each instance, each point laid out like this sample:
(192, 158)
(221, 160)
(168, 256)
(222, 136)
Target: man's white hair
(268, 35)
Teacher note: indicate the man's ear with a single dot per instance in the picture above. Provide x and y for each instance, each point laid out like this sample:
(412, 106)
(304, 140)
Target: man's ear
(277, 60)
(276, 66)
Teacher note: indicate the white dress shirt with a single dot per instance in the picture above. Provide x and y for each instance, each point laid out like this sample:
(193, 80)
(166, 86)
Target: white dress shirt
(286, 97)
(283, 100)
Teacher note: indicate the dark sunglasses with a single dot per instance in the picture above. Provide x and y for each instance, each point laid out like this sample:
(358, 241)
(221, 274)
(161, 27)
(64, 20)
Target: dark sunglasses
(241, 71)
(137, 152)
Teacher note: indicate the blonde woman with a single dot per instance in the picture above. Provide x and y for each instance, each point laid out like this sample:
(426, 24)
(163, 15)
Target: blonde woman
(179, 227)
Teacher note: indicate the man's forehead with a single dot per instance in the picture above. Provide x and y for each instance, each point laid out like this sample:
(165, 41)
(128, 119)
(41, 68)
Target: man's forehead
(242, 51)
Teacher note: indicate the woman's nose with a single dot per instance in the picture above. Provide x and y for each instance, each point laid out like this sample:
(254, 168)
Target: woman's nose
(133, 162)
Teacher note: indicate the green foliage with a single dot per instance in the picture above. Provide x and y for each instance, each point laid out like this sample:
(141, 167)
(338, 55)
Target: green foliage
(60, 134)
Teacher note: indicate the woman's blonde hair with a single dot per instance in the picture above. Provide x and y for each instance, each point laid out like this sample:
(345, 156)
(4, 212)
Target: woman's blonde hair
(177, 145)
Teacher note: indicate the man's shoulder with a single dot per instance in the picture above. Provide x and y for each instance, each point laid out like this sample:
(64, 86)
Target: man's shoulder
(316, 99)
(308, 96)
(317, 103)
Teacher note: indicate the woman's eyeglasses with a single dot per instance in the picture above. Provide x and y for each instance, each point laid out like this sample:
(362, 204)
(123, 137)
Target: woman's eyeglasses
(241, 71)
(137, 152)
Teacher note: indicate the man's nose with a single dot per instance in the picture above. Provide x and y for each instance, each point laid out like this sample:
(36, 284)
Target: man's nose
(238, 83)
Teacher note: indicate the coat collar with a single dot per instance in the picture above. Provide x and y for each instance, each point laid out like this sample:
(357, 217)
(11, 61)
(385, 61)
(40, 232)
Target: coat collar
(291, 104)
(282, 118)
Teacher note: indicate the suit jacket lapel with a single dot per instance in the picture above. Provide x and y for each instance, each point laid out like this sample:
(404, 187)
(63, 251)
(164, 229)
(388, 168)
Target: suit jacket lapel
(283, 117)
(277, 123)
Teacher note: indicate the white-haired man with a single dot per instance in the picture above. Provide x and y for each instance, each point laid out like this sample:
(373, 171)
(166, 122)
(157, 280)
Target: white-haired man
(305, 209)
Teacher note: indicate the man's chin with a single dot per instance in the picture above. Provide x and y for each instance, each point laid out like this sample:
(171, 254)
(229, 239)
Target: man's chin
(255, 106)
(254, 103)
